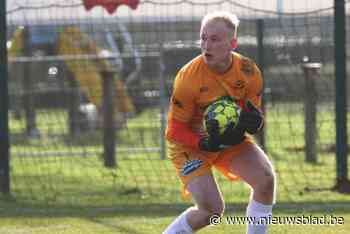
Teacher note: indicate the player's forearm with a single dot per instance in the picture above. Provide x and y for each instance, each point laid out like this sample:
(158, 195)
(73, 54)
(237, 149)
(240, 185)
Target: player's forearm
(181, 133)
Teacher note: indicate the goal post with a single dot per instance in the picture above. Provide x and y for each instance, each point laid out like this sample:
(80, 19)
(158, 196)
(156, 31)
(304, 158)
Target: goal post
(342, 180)
(4, 128)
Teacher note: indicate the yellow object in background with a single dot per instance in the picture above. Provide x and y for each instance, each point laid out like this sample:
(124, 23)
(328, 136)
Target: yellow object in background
(88, 72)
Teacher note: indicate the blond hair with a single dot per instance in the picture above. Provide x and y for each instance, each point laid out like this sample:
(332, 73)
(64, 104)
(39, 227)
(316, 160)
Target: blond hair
(231, 20)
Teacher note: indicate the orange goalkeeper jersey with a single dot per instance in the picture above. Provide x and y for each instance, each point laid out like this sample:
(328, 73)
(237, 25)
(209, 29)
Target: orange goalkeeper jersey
(196, 86)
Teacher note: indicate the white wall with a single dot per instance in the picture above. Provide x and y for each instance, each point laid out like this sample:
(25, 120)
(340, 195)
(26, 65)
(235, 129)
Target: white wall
(38, 10)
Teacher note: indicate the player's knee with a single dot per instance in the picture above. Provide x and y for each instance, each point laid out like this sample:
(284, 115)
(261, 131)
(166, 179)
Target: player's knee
(207, 215)
(216, 208)
(266, 185)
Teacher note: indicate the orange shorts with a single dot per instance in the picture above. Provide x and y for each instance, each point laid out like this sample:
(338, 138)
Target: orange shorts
(190, 164)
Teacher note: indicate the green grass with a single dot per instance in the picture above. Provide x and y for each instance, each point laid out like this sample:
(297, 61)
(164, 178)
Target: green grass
(66, 188)
(70, 165)
(146, 219)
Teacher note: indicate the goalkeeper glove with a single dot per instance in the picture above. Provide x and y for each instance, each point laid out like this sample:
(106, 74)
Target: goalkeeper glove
(252, 119)
(233, 135)
(211, 143)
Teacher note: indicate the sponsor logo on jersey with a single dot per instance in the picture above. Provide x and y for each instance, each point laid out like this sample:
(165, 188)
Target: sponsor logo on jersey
(190, 166)
(247, 67)
(204, 89)
(239, 84)
(177, 102)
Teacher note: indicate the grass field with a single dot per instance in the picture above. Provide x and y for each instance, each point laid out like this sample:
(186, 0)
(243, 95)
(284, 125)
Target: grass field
(15, 218)
(59, 184)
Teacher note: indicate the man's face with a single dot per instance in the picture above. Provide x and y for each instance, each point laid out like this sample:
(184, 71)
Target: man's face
(215, 44)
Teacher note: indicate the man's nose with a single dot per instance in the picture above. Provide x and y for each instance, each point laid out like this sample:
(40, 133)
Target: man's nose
(206, 44)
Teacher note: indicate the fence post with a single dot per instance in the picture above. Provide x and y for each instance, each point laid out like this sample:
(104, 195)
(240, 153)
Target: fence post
(108, 119)
(4, 131)
(29, 94)
(163, 104)
(311, 74)
(260, 59)
(342, 182)
(73, 106)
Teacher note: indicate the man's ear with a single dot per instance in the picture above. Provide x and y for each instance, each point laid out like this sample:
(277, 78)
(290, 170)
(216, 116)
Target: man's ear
(234, 43)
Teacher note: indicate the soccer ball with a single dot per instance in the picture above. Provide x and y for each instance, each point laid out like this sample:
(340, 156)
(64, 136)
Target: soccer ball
(225, 111)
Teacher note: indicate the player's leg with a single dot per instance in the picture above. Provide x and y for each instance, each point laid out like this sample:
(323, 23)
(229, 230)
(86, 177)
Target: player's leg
(253, 167)
(194, 171)
(208, 201)
(251, 164)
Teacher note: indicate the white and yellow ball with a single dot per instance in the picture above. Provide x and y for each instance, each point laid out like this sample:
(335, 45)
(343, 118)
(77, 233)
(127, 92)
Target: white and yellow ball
(225, 111)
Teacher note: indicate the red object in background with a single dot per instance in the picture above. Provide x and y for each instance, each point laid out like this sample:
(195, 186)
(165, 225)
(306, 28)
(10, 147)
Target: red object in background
(110, 5)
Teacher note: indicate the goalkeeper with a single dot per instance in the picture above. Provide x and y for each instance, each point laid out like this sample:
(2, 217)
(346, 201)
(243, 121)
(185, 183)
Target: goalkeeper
(218, 72)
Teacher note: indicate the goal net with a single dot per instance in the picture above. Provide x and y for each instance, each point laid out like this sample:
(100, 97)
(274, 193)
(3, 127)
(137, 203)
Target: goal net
(89, 92)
